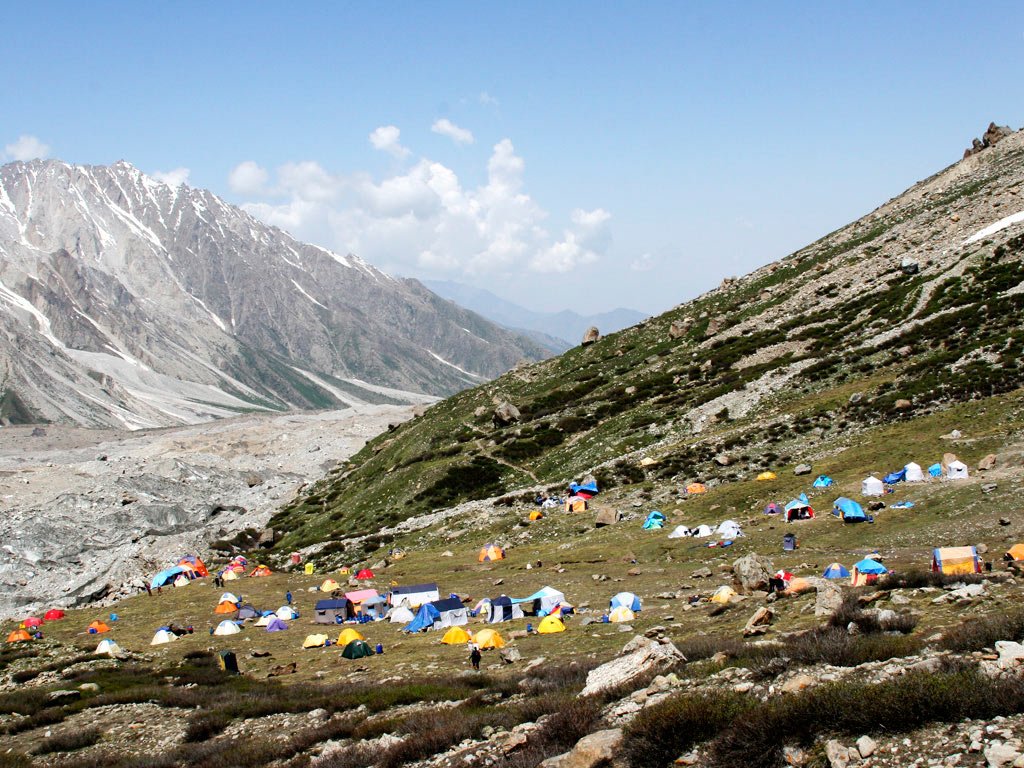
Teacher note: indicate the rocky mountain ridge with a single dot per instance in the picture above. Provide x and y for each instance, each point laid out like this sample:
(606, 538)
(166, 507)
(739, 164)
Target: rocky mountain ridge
(127, 302)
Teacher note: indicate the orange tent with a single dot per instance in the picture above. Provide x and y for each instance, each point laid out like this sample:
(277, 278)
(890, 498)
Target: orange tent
(694, 488)
(225, 607)
(536, 515)
(1016, 552)
(490, 552)
(53, 614)
(18, 636)
(98, 628)
(261, 570)
(194, 564)
(575, 504)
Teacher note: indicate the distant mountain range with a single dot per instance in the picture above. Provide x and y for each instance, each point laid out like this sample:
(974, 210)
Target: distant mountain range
(555, 330)
(127, 302)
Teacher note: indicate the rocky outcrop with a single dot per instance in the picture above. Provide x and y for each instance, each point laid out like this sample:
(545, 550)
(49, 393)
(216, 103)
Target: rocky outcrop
(752, 572)
(992, 136)
(653, 656)
(591, 336)
(505, 413)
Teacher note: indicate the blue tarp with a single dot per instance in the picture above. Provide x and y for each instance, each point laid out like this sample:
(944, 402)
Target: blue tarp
(849, 510)
(867, 565)
(587, 488)
(654, 520)
(895, 477)
(836, 571)
(935, 470)
(425, 618)
(823, 481)
(627, 599)
(902, 505)
(165, 577)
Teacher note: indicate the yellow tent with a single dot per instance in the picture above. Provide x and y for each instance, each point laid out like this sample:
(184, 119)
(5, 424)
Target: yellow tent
(622, 613)
(329, 585)
(488, 638)
(490, 552)
(456, 636)
(536, 515)
(315, 641)
(1016, 552)
(723, 594)
(766, 476)
(550, 624)
(695, 488)
(956, 560)
(348, 635)
(575, 504)
(229, 575)
(309, 568)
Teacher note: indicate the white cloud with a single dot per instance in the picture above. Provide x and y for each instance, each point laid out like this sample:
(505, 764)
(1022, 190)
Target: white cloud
(422, 220)
(247, 178)
(26, 148)
(174, 178)
(446, 127)
(386, 139)
(487, 100)
(642, 263)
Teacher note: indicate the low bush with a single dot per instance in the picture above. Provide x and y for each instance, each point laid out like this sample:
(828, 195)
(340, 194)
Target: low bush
(978, 633)
(68, 741)
(918, 579)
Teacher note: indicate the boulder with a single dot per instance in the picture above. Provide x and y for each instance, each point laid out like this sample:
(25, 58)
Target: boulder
(714, 326)
(903, 404)
(267, 538)
(676, 330)
(828, 598)
(723, 460)
(758, 623)
(797, 683)
(592, 335)
(947, 459)
(837, 755)
(510, 654)
(1001, 755)
(802, 469)
(987, 463)
(657, 656)
(702, 573)
(866, 746)
(752, 571)
(909, 267)
(597, 748)
(63, 696)
(607, 516)
(1011, 654)
(505, 413)
(994, 134)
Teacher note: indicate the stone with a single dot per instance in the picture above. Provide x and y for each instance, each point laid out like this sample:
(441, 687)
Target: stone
(591, 336)
(866, 746)
(319, 714)
(837, 755)
(794, 756)
(1000, 754)
(988, 487)
(637, 643)
(654, 657)
(828, 598)
(797, 683)
(723, 460)
(802, 469)
(63, 696)
(1011, 654)
(702, 573)
(253, 479)
(1004, 521)
(607, 516)
(510, 654)
(597, 748)
(89, 688)
(987, 463)
(676, 330)
(947, 459)
(910, 267)
(758, 623)
(981, 548)
(633, 572)
(903, 404)
(267, 537)
(856, 397)
(714, 326)
(752, 571)
(505, 413)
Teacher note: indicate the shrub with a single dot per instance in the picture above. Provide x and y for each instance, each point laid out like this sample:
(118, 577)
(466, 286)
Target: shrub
(69, 741)
(978, 633)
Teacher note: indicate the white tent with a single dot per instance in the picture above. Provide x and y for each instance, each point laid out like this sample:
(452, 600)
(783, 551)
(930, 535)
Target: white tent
(264, 620)
(956, 470)
(108, 647)
(163, 636)
(544, 600)
(400, 615)
(914, 473)
(872, 486)
(286, 613)
(730, 529)
(681, 531)
(227, 597)
(229, 575)
(702, 531)
(182, 581)
(227, 627)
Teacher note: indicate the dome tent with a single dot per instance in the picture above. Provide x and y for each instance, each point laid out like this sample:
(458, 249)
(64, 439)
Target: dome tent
(489, 553)
(836, 571)
(357, 649)
(627, 600)
(620, 614)
(162, 636)
(823, 481)
(872, 486)
(456, 636)
(550, 625)
(913, 473)
(488, 638)
(867, 571)
(227, 627)
(107, 647)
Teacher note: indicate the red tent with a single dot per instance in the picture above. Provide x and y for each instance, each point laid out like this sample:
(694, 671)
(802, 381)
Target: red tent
(366, 573)
(32, 621)
(53, 614)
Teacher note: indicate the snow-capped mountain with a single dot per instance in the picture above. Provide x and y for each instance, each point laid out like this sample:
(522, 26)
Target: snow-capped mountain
(128, 302)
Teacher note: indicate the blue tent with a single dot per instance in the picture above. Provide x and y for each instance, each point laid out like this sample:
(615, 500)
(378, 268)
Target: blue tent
(654, 520)
(849, 510)
(868, 565)
(425, 618)
(773, 509)
(895, 477)
(935, 470)
(165, 577)
(823, 481)
(626, 599)
(836, 571)
(589, 489)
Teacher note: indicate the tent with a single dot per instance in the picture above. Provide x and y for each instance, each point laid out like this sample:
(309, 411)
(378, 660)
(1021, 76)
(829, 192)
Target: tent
(679, 532)
(536, 515)
(225, 607)
(867, 571)
(576, 504)
(587, 490)
(357, 649)
(723, 594)
(374, 607)
(18, 636)
(488, 638)
(108, 647)
(229, 597)
(836, 571)
(773, 509)
(276, 625)
(425, 618)
(789, 543)
(956, 470)
(823, 481)
(265, 620)
(227, 627)
(490, 552)
(696, 488)
(935, 470)
(729, 529)
(365, 574)
(626, 600)
(247, 611)
(53, 614)
(182, 581)
(504, 609)
(895, 477)
(400, 615)
(414, 595)
(1016, 552)
(456, 636)
(348, 634)
(330, 585)
(32, 621)
(261, 570)
(654, 521)
(315, 641)
(544, 601)
(848, 510)
(286, 613)
(359, 596)
(913, 473)
(229, 575)
(333, 611)
(165, 577)
(702, 531)
(622, 613)
(767, 476)
(549, 625)
(872, 486)
(162, 636)
(195, 563)
(98, 628)
(956, 560)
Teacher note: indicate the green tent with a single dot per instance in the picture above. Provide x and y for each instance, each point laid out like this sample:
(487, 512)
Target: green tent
(357, 649)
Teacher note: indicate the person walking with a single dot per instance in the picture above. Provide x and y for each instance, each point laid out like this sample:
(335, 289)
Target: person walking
(288, 597)
(474, 658)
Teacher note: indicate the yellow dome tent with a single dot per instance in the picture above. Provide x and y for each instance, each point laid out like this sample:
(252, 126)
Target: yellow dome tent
(348, 635)
(488, 638)
(456, 636)
(723, 594)
(622, 613)
(1016, 552)
(330, 585)
(767, 476)
(550, 625)
(695, 488)
(536, 515)
(315, 641)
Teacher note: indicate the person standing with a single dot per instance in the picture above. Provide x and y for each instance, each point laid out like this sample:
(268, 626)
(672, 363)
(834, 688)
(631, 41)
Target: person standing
(288, 597)
(474, 658)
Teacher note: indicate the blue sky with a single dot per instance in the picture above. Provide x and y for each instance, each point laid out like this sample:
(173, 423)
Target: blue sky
(584, 155)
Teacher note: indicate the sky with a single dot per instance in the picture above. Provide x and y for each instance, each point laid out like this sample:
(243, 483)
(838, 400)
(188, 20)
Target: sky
(572, 155)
